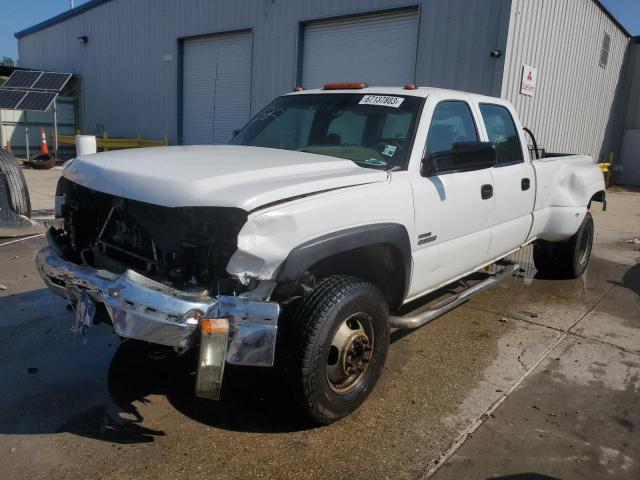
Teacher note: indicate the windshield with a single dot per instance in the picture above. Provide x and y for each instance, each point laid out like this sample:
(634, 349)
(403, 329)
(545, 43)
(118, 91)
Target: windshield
(374, 131)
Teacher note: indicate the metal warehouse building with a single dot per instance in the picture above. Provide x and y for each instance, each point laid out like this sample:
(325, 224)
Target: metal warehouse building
(195, 70)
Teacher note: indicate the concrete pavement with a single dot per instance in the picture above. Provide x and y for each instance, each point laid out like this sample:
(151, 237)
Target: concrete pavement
(578, 414)
(42, 189)
(536, 376)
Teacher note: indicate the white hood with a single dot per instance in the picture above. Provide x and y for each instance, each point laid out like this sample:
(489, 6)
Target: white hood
(220, 175)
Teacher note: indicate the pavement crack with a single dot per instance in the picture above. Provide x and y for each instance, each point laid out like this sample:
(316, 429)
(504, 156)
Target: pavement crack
(603, 342)
(591, 308)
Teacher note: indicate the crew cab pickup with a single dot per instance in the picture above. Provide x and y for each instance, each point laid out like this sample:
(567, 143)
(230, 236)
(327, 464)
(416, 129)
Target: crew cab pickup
(304, 241)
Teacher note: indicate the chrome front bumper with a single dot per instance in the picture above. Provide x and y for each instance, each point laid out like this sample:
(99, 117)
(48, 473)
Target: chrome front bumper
(143, 309)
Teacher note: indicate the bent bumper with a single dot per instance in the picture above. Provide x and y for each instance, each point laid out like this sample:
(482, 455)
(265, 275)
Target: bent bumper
(146, 310)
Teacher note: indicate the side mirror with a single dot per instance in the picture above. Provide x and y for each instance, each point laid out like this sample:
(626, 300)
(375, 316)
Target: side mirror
(464, 157)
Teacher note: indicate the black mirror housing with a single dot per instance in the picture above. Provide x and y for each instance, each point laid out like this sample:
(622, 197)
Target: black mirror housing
(464, 157)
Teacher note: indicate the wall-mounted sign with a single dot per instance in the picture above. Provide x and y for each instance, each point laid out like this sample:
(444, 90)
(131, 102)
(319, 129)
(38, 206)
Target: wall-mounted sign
(528, 85)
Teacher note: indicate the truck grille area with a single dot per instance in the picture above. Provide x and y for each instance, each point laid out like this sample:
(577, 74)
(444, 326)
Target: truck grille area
(186, 247)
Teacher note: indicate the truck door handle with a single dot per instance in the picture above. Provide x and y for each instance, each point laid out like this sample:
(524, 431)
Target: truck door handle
(525, 184)
(486, 191)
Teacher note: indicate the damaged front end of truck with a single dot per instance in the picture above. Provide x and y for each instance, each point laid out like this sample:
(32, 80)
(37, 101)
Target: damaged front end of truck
(160, 274)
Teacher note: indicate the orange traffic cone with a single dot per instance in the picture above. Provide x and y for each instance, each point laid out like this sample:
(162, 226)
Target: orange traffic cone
(43, 144)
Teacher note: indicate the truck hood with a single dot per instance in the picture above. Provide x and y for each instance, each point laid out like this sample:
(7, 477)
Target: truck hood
(215, 175)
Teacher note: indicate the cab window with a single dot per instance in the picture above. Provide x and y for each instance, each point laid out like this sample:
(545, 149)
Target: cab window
(503, 133)
(452, 122)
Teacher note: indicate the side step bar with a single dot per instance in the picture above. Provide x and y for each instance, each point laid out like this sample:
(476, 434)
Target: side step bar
(423, 317)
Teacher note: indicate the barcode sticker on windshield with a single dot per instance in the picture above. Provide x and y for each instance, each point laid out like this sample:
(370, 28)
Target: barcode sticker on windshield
(382, 101)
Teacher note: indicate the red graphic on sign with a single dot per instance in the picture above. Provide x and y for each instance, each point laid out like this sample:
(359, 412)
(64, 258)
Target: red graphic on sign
(530, 76)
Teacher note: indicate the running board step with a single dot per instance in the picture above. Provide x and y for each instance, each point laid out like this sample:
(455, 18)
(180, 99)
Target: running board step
(411, 321)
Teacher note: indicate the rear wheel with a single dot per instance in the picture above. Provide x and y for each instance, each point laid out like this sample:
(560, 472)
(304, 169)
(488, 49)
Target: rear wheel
(568, 259)
(343, 336)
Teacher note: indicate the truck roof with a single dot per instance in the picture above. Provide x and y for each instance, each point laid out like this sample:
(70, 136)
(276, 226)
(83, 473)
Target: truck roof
(422, 92)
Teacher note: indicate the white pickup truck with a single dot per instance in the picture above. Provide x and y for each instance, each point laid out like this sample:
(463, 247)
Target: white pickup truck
(302, 243)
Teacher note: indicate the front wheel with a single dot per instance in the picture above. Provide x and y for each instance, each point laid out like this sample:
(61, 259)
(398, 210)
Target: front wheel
(343, 333)
(568, 259)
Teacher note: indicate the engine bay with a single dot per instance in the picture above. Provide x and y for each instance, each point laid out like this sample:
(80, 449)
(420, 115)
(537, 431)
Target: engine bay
(186, 248)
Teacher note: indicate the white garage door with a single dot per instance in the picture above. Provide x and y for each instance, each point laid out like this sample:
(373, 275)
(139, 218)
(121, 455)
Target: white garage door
(216, 87)
(377, 49)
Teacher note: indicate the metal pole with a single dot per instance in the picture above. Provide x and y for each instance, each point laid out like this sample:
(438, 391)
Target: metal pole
(26, 135)
(55, 130)
(2, 139)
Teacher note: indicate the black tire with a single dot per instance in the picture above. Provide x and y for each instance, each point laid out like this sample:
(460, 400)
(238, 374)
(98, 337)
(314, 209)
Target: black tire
(336, 304)
(16, 184)
(568, 259)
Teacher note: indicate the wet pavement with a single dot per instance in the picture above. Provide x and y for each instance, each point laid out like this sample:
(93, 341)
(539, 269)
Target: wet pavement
(536, 376)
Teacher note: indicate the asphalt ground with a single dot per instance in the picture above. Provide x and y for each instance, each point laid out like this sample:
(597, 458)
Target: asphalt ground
(534, 378)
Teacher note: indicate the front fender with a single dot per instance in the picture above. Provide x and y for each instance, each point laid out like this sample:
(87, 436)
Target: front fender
(270, 236)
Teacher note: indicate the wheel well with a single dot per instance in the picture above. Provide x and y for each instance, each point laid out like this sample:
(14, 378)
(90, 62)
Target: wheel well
(381, 264)
(601, 197)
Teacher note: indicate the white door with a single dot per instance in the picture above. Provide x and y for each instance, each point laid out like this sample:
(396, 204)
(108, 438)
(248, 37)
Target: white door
(377, 49)
(453, 211)
(513, 181)
(216, 87)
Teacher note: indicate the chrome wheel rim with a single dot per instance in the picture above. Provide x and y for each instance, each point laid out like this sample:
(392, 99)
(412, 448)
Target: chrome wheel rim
(350, 353)
(584, 246)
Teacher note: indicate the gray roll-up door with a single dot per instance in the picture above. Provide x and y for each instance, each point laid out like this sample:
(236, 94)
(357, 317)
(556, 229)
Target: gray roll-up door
(377, 49)
(216, 97)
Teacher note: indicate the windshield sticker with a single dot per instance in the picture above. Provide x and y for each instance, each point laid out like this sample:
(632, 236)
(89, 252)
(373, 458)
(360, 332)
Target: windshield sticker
(389, 150)
(382, 101)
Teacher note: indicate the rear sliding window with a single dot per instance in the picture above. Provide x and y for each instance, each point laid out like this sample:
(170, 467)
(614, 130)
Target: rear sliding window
(503, 133)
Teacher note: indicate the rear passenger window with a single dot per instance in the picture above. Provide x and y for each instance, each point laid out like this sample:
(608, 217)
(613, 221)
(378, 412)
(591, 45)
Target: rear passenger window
(452, 122)
(503, 133)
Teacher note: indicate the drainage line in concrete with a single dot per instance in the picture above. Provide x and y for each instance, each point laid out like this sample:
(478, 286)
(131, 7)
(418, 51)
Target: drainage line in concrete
(21, 239)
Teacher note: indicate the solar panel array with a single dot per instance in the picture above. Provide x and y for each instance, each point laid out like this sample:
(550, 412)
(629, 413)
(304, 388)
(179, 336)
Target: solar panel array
(30, 80)
(32, 90)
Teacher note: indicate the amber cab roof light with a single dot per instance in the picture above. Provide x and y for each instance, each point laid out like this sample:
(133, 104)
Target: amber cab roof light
(345, 86)
(410, 86)
(298, 89)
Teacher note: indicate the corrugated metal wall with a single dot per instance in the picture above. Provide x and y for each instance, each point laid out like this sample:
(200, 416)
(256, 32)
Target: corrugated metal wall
(12, 123)
(456, 38)
(627, 132)
(574, 99)
(129, 68)
(631, 94)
